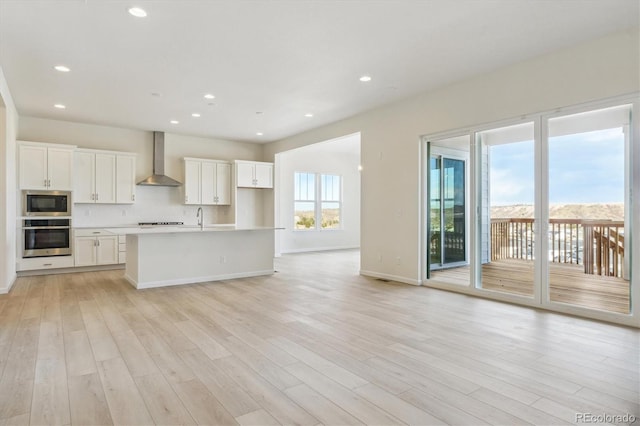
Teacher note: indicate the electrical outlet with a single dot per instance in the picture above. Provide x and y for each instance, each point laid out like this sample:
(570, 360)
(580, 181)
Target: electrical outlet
(379, 257)
(398, 260)
(223, 259)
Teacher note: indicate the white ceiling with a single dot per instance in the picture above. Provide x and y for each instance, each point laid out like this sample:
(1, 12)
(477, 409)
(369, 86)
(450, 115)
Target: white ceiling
(281, 58)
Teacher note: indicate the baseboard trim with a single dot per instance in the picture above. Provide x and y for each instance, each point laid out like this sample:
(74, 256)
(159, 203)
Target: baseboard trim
(315, 249)
(12, 281)
(94, 268)
(195, 280)
(390, 277)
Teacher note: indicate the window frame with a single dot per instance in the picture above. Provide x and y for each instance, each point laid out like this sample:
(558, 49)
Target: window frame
(318, 201)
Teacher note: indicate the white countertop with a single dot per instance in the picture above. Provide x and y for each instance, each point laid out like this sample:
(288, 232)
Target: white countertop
(168, 229)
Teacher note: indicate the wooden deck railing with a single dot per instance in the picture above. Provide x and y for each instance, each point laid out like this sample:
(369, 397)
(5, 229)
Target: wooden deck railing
(598, 245)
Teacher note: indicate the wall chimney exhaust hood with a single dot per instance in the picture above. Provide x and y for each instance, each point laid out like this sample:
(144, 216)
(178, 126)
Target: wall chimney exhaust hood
(158, 178)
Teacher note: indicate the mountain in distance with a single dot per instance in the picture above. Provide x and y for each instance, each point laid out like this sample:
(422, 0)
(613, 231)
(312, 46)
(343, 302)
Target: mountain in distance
(604, 211)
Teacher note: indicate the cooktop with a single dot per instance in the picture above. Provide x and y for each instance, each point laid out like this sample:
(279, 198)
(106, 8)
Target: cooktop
(160, 223)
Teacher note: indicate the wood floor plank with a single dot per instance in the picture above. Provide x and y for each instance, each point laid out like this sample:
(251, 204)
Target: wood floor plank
(164, 405)
(125, 403)
(275, 402)
(257, 418)
(87, 401)
(328, 368)
(320, 407)
(208, 345)
(401, 409)
(134, 354)
(79, 354)
(222, 387)
(50, 403)
(344, 398)
(202, 406)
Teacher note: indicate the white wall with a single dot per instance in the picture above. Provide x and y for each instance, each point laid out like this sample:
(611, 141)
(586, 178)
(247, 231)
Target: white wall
(8, 130)
(390, 135)
(152, 203)
(338, 157)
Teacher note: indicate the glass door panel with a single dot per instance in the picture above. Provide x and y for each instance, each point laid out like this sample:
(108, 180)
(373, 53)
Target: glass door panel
(435, 246)
(506, 232)
(454, 230)
(446, 238)
(588, 265)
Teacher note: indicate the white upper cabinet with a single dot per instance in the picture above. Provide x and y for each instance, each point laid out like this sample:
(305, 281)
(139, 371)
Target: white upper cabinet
(223, 183)
(254, 174)
(104, 177)
(192, 182)
(85, 177)
(46, 166)
(125, 179)
(207, 182)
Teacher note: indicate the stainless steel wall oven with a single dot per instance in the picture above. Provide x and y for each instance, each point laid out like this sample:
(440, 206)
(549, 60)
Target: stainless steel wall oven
(46, 237)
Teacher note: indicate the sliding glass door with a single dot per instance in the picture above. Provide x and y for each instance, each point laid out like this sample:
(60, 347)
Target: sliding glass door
(588, 210)
(447, 207)
(538, 212)
(506, 205)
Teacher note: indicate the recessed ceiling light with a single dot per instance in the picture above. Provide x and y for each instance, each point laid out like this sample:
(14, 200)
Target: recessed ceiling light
(174, 122)
(138, 12)
(308, 115)
(59, 106)
(259, 134)
(62, 68)
(195, 114)
(365, 78)
(209, 96)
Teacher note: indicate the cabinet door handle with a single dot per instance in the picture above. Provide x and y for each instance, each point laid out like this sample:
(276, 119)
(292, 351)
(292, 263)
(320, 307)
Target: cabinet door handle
(186, 198)
(97, 196)
(49, 183)
(133, 197)
(47, 264)
(45, 183)
(93, 197)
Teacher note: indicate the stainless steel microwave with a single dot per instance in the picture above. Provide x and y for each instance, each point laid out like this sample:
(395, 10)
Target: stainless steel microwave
(46, 203)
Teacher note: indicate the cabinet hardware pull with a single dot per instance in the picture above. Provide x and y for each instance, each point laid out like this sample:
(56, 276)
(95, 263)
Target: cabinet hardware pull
(47, 264)
(45, 183)
(133, 197)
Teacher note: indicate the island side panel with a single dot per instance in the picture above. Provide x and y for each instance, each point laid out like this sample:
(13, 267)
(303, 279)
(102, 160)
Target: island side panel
(191, 257)
(131, 265)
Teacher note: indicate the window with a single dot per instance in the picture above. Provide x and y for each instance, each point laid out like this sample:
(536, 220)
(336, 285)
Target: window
(317, 199)
(304, 196)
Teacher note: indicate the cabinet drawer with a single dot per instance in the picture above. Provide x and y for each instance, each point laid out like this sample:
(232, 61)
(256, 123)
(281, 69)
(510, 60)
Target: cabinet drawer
(53, 262)
(91, 232)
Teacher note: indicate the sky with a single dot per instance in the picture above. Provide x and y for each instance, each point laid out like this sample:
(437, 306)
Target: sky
(583, 168)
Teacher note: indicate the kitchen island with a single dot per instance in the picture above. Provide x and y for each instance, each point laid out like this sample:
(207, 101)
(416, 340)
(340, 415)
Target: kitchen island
(158, 257)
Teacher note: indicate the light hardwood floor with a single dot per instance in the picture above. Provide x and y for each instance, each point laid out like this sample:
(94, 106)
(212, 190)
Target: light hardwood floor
(313, 344)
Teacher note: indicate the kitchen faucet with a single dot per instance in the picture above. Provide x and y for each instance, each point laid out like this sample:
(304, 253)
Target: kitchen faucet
(200, 216)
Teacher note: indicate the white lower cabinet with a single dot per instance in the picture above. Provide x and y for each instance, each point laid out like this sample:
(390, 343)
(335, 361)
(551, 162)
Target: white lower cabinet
(122, 249)
(95, 247)
(37, 263)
